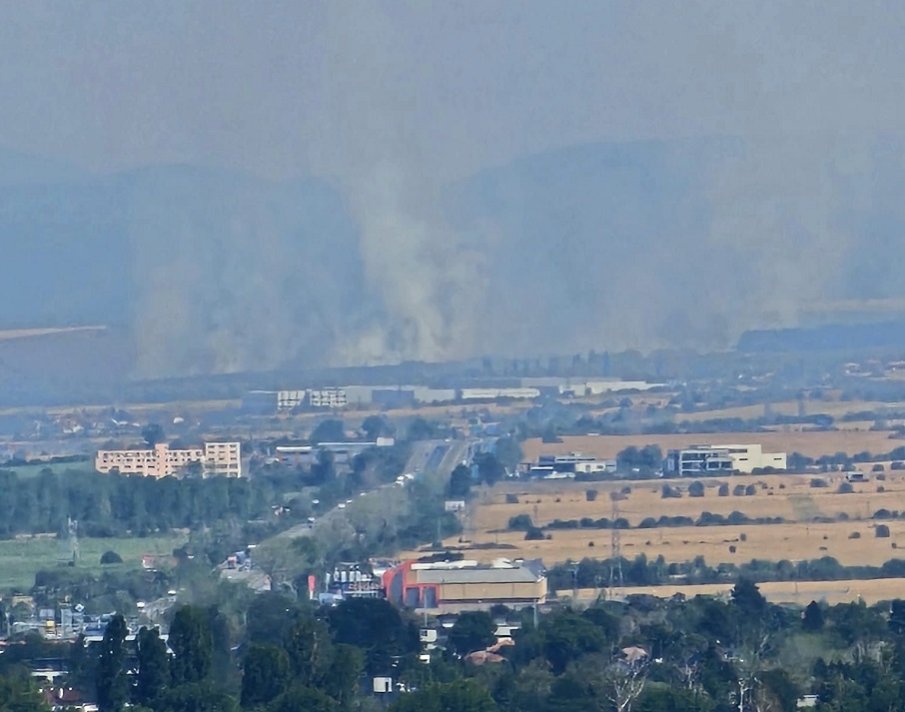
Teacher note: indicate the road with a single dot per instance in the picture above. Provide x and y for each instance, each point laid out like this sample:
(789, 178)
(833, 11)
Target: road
(433, 460)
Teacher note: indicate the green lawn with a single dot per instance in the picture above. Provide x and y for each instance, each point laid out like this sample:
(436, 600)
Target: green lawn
(21, 559)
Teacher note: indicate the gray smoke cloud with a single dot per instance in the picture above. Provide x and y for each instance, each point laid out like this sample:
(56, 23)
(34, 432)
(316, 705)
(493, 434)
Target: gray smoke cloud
(507, 178)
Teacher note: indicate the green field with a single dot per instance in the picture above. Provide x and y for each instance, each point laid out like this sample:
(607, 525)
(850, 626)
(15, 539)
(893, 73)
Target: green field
(20, 559)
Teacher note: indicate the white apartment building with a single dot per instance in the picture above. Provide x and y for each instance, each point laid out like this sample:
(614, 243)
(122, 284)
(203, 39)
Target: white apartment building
(327, 398)
(290, 400)
(215, 459)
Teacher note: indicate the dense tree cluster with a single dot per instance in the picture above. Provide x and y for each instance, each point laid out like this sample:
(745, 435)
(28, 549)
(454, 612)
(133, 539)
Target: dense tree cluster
(640, 655)
(110, 505)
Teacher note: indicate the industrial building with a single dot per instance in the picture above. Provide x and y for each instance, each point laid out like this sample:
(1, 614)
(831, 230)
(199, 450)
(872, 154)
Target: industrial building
(455, 586)
(342, 452)
(582, 388)
(714, 459)
(569, 465)
(213, 459)
(495, 393)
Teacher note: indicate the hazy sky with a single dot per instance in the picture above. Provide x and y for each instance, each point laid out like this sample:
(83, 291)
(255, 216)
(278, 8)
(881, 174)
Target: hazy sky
(283, 88)
(688, 240)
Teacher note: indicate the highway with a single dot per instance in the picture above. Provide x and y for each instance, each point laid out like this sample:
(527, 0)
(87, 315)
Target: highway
(433, 460)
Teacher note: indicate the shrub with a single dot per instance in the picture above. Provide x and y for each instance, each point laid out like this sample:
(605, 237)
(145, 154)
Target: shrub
(877, 468)
(696, 489)
(670, 492)
(732, 548)
(881, 532)
(854, 535)
(534, 534)
(511, 499)
(521, 522)
(881, 488)
(590, 495)
(738, 491)
(111, 557)
(723, 491)
(819, 482)
(750, 490)
(845, 488)
(882, 477)
(743, 537)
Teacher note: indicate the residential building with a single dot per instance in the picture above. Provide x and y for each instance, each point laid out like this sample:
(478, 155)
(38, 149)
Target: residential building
(452, 587)
(713, 459)
(221, 459)
(327, 398)
(291, 399)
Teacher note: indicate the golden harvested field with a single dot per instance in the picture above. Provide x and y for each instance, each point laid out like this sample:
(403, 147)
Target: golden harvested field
(811, 443)
(788, 496)
(800, 593)
(676, 544)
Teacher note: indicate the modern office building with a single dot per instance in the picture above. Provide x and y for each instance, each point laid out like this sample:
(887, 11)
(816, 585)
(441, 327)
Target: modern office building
(213, 459)
(713, 459)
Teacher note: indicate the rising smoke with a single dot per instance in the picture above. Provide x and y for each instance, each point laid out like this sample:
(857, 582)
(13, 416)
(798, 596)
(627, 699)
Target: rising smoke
(518, 178)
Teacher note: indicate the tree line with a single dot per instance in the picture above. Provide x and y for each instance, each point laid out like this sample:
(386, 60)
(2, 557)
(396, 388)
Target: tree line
(113, 505)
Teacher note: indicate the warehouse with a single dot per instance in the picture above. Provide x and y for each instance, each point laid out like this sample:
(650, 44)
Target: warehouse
(451, 587)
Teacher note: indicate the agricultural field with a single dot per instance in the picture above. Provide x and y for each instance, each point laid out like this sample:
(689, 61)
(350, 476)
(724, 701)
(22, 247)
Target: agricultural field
(847, 530)
(808, 442)
(21, 559)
